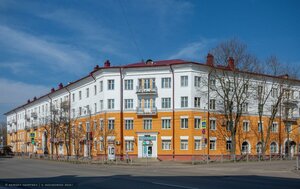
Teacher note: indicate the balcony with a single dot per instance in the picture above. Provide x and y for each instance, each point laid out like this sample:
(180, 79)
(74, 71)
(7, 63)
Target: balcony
(27, 118)
(34, 115)
(144, 91)
(34, 126)
(27, 128)
(146, 111)
(65, 105)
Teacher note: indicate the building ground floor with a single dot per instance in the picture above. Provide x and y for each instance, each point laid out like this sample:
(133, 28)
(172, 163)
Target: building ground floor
(164, 136)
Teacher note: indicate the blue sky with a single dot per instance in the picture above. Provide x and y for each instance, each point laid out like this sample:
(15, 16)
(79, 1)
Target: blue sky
(44, 43)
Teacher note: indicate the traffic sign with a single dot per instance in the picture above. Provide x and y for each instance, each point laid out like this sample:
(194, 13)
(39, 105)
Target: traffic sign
(204, 124)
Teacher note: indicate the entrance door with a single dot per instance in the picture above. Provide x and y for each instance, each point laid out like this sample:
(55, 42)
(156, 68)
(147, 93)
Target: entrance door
(111, 153)
(147, 151)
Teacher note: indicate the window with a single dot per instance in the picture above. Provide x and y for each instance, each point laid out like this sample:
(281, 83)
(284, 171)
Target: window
(166, 144)
(110, 84)
(95, 125)
(260, 127)
(166, 123)
(101, 123)
(147, 124)
(101, 148)
(184, 145)
(197, 102)
(212, 82)
(166, 82)
(273, 148)
(73, 97)
(166, 102)
(184, 102)
(111, 124)
(80, 111)
(128, 124)
(274, 128)
(111, 103)
(101, 86)
(245, 147)
(197, 81)
(245, 126)
(184, 124)
(101, 105)
(197, 144)
(212, 104)
(259, 90)
(80, 97)
(274, 92)
(245, 89)
(95, 107)
(212, 124)
(95, 89)
(129, 145)
(146, 83)
(212, 144)
(87, 126)
(259, 148)
(87, 92)
(228, 145)
(184, 81)
(245, 107)
(288, 128)
(128, 84)
(197, 123)
(128, 103)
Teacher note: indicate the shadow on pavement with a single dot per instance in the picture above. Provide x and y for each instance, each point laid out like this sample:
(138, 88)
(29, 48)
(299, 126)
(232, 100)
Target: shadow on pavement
(157, 182)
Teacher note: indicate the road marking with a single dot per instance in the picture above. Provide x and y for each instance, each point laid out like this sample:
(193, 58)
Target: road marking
(173, 185)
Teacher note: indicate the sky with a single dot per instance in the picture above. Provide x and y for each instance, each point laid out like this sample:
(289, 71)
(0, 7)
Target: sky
(44, 43)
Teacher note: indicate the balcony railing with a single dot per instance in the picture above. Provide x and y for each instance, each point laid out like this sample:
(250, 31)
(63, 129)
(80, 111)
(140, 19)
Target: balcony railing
(146, 111)
(65, 105)
(27, 128)
(142, 90)
(27, 118)
(34, 126)
(34, 115)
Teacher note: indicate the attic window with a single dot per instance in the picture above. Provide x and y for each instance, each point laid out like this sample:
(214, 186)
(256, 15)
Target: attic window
(149, 61)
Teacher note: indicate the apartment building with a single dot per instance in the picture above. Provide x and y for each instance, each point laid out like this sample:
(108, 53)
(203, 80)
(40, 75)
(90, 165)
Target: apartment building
(159, 109)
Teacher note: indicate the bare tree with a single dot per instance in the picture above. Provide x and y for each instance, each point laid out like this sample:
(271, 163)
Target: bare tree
(229, 84)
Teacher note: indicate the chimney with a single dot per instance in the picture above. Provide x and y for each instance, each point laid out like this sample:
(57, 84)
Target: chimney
(52, 90)
(60, 86)
(28, 101)
(106, 64)
(231, 63)
(149, 61)
(96, 67)
(34, 98)
(210, 60)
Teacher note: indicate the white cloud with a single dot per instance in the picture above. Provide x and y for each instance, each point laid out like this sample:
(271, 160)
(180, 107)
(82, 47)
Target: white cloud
(55, 55)
(15, 93)
(18, 92)
(194, 50)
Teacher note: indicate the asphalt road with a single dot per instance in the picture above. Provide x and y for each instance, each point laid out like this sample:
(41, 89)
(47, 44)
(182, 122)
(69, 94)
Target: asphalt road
(28, 173)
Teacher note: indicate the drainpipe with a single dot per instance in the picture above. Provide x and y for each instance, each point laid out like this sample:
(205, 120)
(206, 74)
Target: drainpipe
(51, 125)
(173, 110)
(69, 127)
(121, 113)
(280, 120)
(25, 130)
(90, 123)
(16, 131)
(208, 112)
